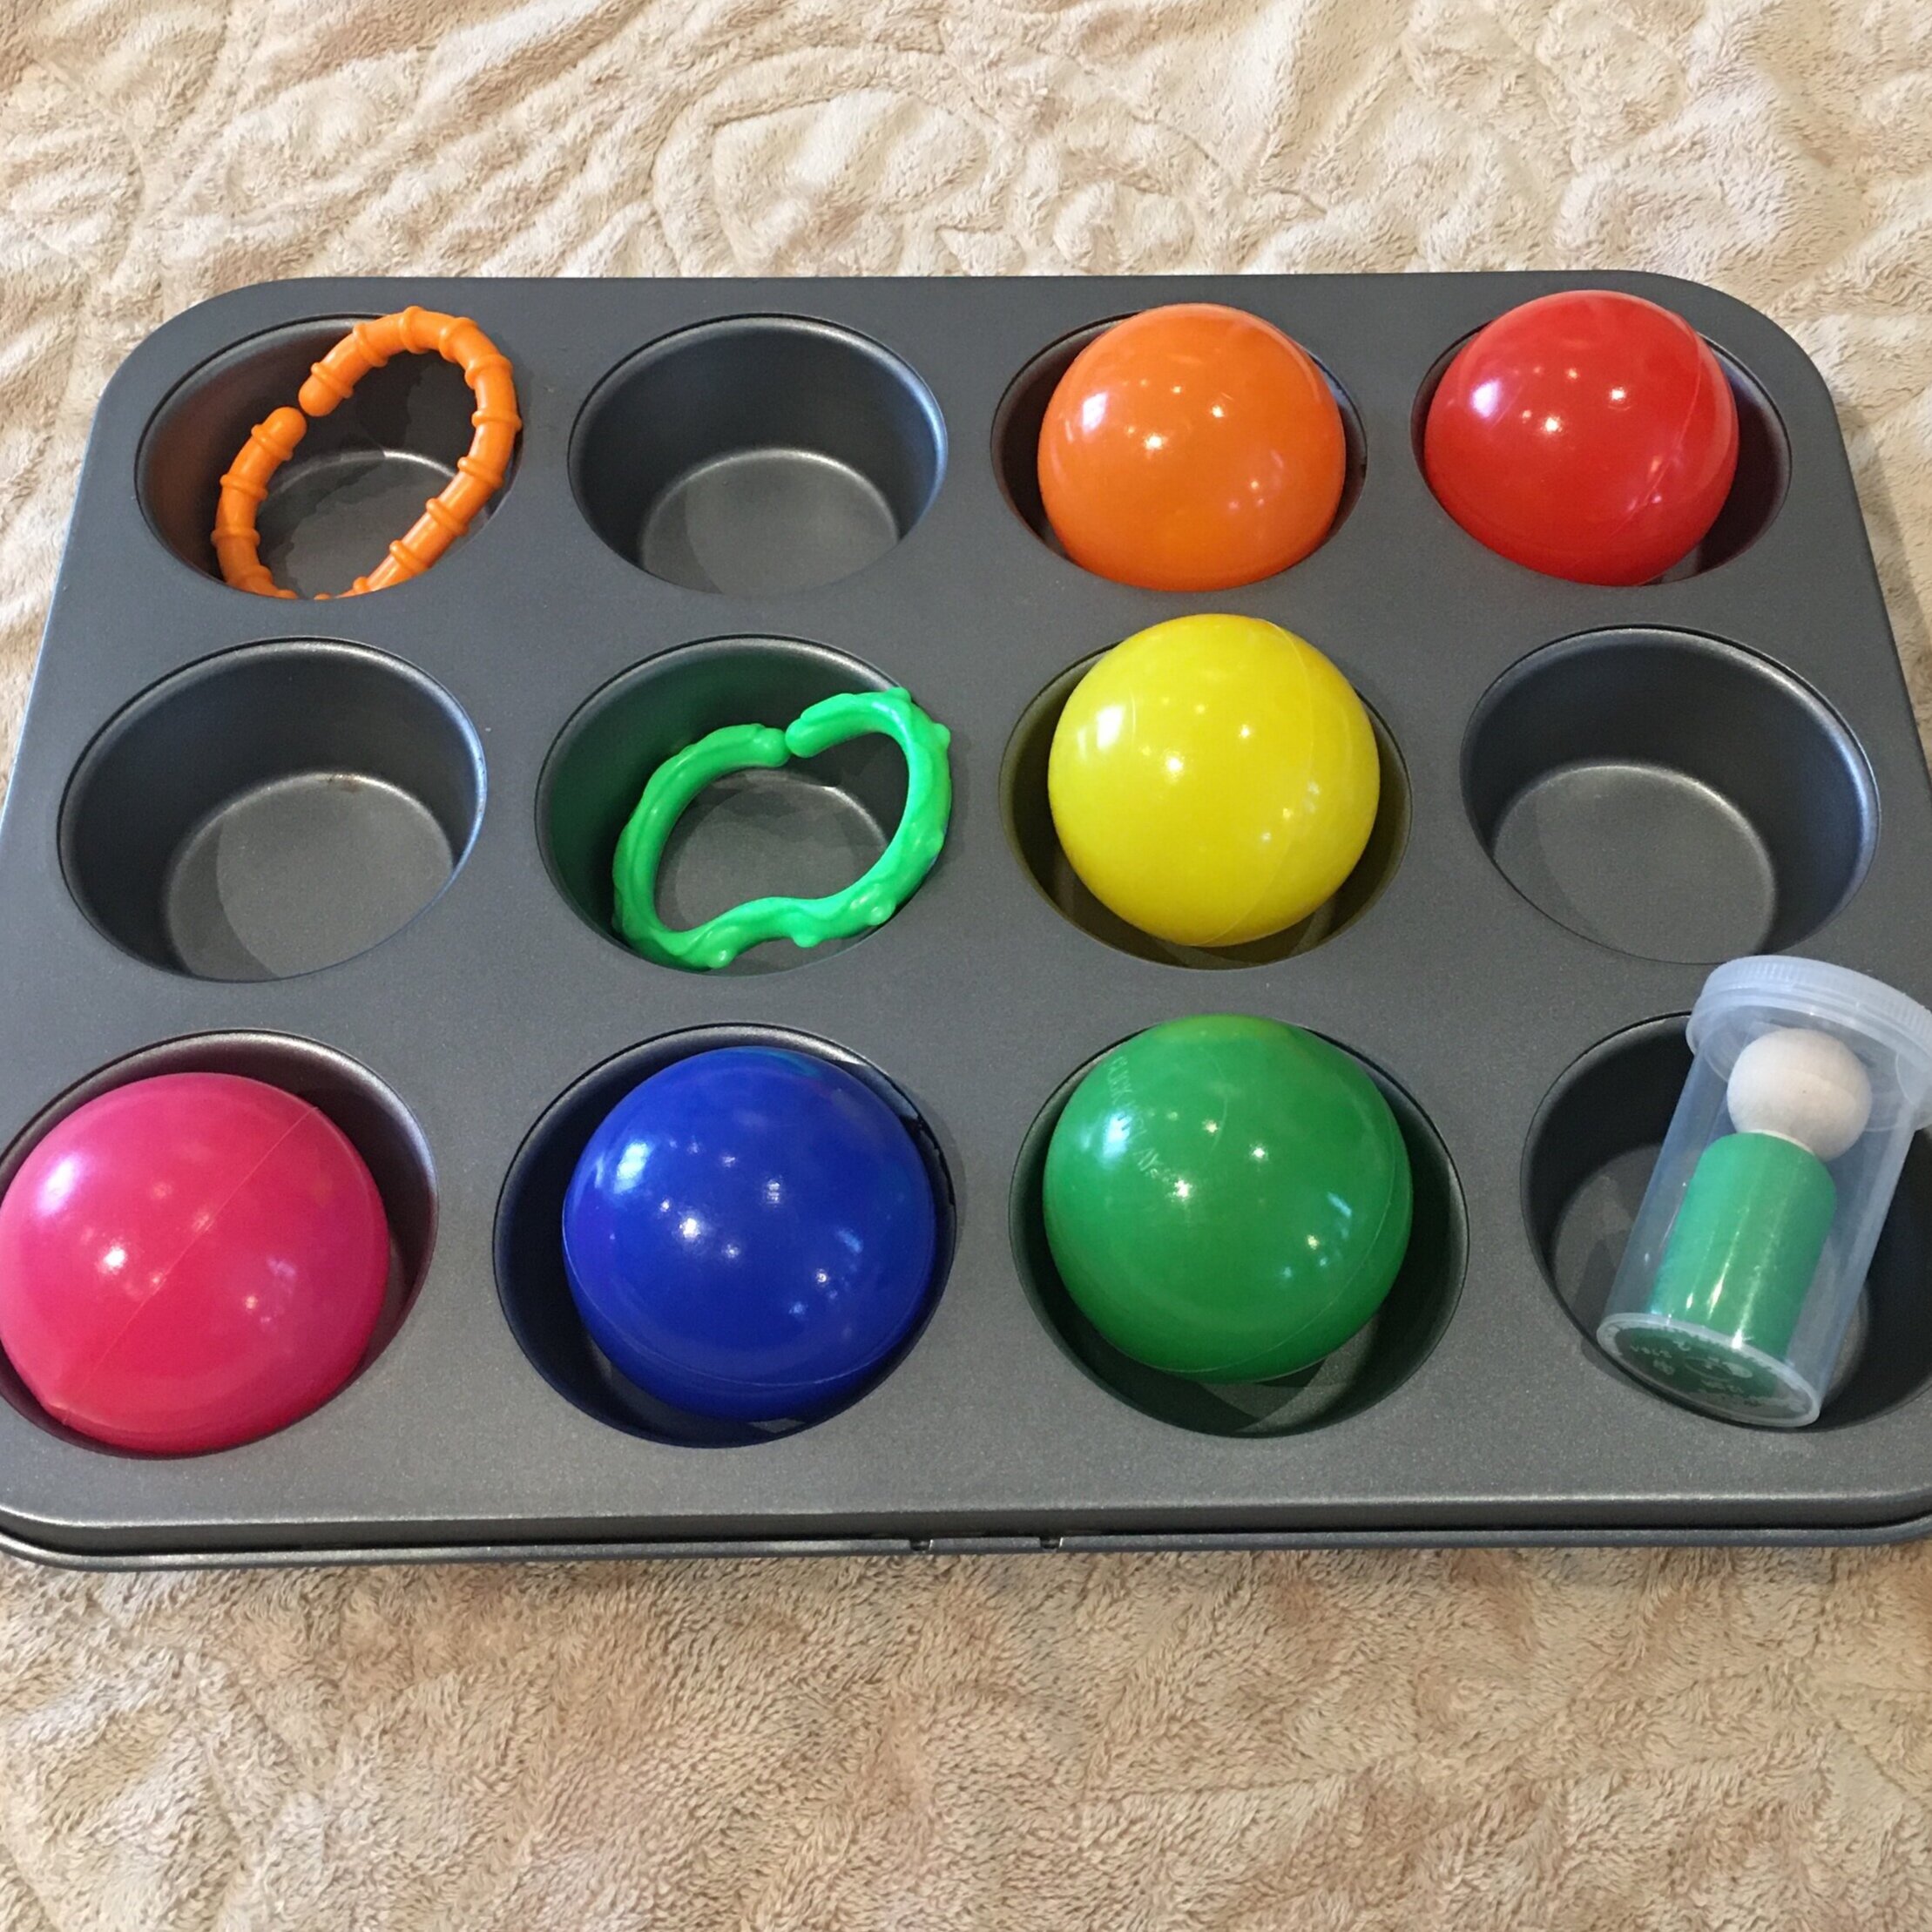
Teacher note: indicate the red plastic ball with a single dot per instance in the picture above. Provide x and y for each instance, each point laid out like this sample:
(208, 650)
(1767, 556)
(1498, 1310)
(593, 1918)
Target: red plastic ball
(188, 1262)
(1589, 435)
(1191, 448)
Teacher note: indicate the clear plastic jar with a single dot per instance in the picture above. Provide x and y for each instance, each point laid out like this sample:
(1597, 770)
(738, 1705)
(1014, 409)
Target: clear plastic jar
(1750, 1247)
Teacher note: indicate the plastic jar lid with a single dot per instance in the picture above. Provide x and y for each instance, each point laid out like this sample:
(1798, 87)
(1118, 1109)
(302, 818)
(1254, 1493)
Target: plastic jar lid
(1891, 1032)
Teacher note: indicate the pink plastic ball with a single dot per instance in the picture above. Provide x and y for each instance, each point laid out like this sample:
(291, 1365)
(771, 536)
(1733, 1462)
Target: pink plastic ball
(188, 1262)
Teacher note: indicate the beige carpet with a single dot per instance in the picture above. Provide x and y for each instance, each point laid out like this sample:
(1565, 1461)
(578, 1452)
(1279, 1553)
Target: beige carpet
(1399, 1741)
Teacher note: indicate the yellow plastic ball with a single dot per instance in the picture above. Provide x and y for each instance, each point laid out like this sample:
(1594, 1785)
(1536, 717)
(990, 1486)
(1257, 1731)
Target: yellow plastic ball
(1213, 779)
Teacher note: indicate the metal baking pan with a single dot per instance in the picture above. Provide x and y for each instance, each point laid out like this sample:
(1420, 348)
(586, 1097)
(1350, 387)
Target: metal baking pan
(730, 497)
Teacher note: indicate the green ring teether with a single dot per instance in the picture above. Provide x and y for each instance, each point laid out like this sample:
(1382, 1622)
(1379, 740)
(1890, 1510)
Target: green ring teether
(870, 901)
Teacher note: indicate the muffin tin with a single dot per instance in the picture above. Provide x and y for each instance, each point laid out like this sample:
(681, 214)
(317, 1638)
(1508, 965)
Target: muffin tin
(362, 848)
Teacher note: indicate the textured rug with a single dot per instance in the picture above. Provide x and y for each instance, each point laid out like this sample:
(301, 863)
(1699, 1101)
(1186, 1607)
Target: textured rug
(1555, 1741)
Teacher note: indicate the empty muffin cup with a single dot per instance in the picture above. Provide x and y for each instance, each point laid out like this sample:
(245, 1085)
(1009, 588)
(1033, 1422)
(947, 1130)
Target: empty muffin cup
(758, 455)
(273, 810)
(1669, 795)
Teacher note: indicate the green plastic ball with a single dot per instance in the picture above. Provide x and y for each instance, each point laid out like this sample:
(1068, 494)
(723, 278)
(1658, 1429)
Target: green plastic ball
(1227, 1198)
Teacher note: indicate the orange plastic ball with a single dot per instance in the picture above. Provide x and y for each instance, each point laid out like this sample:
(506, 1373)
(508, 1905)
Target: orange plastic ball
(1191, 448)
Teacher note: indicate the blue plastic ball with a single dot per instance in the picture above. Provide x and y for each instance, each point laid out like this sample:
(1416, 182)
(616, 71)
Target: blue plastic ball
(750, 1234)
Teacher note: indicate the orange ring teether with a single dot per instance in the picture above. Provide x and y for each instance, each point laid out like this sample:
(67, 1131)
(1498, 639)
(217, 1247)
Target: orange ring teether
(368, 346)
